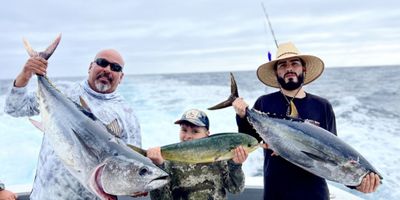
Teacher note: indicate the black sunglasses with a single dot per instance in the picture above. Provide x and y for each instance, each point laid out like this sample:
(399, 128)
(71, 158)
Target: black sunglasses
(104, 63)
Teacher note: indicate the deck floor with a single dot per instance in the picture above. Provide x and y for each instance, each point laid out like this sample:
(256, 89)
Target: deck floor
(247, 194)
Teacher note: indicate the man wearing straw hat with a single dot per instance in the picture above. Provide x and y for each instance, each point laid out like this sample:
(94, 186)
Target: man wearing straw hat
(289, 72)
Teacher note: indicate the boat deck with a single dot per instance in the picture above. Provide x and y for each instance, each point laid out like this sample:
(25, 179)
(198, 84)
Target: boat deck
(252, 191)
(249, 193)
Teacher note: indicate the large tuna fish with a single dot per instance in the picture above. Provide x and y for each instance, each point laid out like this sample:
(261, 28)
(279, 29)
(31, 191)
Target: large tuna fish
(99, 160)
(307, 146)
(209, 149)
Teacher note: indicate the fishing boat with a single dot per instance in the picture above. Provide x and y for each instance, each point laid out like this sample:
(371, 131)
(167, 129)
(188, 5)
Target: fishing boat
(253, 190)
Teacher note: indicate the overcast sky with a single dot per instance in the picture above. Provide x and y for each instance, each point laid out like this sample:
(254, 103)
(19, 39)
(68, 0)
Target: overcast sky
(167, 36)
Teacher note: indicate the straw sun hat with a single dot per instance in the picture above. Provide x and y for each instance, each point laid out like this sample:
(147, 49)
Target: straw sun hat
(314, 65)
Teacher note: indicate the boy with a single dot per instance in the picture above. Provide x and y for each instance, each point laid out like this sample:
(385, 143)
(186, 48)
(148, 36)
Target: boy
(198, 181)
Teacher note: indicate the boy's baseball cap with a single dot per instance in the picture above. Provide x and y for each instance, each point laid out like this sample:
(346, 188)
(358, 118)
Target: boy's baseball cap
(196, 117)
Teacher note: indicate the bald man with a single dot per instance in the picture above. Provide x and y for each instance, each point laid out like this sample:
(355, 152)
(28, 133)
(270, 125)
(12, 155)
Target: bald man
(99, 90)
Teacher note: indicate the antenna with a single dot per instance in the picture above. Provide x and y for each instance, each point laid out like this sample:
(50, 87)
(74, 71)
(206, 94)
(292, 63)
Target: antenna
(269, 24)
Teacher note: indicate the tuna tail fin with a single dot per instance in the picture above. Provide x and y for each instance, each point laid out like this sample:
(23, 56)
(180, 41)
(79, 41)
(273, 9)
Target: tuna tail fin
(138, 149)
(45, 54)
(31, 52)
(231, 98)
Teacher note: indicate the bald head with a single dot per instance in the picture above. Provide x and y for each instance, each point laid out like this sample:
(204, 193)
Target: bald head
(105, 73)
(111, 55)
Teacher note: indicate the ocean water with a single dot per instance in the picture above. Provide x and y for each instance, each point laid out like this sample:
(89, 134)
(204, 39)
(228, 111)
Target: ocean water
(365, 100)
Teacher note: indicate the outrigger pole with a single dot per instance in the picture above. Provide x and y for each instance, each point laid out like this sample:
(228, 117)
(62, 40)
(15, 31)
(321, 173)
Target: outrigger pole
(269, 24)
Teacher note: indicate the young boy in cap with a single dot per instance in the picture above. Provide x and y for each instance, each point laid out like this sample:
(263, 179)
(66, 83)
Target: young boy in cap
(198, 181)
(289, 72)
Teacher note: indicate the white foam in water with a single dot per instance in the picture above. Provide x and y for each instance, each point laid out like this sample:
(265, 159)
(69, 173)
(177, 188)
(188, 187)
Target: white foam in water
(159, 100)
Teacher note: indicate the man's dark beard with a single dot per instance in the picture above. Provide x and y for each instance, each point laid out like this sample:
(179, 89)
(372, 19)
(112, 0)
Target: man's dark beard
(291, 85)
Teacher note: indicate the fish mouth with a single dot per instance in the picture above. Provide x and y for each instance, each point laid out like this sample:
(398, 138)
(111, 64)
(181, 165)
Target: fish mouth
(96, 185)
(157, 182)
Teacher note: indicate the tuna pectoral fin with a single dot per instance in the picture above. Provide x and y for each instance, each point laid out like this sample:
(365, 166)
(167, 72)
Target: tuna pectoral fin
(37, 124)
(231, 98)
(138, 149)
(319, 158)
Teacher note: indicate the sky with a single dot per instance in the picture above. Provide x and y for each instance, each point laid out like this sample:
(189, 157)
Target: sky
(175, 36)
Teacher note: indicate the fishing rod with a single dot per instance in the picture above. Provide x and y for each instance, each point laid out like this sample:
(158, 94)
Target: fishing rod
(269, 24)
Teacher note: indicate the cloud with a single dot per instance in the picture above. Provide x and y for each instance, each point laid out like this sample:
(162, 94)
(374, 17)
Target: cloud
(201, 35)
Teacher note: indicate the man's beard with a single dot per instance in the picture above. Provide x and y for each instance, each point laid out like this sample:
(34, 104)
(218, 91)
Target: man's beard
(291, 85)
(103, 87)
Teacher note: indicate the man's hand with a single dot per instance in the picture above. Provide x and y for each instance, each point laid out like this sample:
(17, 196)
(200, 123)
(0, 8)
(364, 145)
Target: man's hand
(7, 195)
(34, 65)
(240, 107)
(240, 155)
(155, 155)
(369, 183)
(265, 146)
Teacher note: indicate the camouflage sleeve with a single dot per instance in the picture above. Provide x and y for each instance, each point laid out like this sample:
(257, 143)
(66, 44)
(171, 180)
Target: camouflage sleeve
(163, 193)
(20, 104)
(233, 177)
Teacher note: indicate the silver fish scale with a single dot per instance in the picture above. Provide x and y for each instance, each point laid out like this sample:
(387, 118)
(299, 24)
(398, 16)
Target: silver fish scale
(56, 180)
(311, 148)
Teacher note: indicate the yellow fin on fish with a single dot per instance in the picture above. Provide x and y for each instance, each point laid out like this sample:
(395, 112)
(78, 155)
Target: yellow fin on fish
(84, 104)
(138, 149)
(114, 128)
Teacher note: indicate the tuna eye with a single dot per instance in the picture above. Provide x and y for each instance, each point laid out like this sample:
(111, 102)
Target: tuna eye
(143, 171)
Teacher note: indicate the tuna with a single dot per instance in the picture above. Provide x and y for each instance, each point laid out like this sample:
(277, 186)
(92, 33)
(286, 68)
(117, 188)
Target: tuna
(308, 146)
(95, 157)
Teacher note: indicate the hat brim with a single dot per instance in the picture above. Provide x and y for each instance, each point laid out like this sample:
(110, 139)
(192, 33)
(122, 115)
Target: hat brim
(314, 68)
(194, 122)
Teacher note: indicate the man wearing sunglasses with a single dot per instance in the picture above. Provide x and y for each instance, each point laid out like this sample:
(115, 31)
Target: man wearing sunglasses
(99, 90)
(105, 73)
